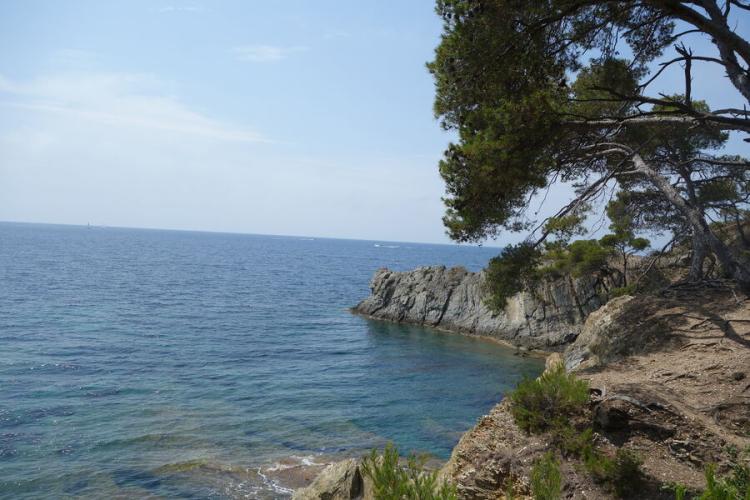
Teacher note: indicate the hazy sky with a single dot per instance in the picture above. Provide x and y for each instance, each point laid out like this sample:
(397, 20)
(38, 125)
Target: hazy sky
(294, 117)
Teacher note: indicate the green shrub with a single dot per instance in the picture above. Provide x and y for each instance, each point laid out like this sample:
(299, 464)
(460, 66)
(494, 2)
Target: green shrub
(598, 465)
(740, 477)
(547, 402)
(510, 492)
(622, 473)
(680, 490)
(623, 290)
(391, 481)
(736, 486)
(509, 273)
(546, 479)
(626, 477)
(715, 489)
(573, 442)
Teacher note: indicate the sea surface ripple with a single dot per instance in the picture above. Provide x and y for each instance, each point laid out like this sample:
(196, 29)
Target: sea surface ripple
(168, 364)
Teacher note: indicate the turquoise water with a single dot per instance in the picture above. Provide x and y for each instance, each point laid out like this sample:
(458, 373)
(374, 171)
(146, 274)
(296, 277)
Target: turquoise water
(164, 364)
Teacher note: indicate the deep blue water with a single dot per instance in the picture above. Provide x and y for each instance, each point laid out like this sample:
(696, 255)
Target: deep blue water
(141, 363)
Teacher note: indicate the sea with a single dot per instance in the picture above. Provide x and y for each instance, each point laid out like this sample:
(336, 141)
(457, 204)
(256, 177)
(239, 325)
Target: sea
(142, 363)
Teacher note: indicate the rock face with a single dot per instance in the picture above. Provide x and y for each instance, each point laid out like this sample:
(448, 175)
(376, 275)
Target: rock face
(667, 378)
(339, 481)
(546, 318)
(622, 327)
(492, 457)
(602, 338)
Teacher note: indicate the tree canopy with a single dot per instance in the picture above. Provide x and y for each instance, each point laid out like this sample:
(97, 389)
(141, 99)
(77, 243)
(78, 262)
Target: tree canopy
(622, 240)
(560, 91)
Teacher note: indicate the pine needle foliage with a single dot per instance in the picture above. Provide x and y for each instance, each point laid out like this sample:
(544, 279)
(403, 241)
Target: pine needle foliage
(735, 486)
(539, 404)
(394, 481)
(546, 479)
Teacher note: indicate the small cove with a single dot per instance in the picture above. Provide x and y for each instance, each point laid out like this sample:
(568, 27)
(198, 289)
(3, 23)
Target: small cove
(184, 364)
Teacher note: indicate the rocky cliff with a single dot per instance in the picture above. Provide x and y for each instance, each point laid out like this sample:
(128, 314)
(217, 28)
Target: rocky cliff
(546, 318)
(669, 383)
(668, 378)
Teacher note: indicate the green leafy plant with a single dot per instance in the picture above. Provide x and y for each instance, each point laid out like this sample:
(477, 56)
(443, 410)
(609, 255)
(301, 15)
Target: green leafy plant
(715, 489)
(680, 490)
(392, 481)
(598, 465)
(622, 240)
(509, 273)
(509, 492)
(735, 486)
(546, 479)
(540, 404)
(573, 442)
(622, 473)
(548, 404)
(626, 476)
(623, 290)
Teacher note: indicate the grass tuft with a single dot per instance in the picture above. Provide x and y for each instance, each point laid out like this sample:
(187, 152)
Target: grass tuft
(546, 479)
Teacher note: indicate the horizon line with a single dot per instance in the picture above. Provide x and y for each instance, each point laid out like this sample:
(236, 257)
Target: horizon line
(208, 231)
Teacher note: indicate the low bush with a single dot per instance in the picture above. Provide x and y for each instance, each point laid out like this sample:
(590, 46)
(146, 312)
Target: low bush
(622, 473)
(392, 481)
(546, 480)
(599, 466)
(680, 491)
(735, 486)
(623, 290)
(573, 442)
(549, 404)
(549, 401)
(626, 477)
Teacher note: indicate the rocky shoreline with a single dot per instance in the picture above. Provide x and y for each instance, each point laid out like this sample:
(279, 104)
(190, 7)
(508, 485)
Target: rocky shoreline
(547, 318)
(668, 376)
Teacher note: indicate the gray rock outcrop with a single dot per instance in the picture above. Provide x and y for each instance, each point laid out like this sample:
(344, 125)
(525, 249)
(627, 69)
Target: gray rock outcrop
(546, 318)
(622, 327)
(602, 338)
(339, 481)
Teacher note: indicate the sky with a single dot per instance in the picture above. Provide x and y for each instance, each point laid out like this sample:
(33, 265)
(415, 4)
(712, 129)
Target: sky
(296, 118)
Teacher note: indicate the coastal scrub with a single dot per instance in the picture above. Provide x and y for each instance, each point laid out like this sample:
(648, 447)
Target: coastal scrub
(393, 481)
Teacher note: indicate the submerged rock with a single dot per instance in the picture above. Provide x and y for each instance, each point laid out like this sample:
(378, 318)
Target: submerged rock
(546, 318)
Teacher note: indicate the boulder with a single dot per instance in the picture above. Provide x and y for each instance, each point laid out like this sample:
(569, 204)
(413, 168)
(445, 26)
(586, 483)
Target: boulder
(339, 481)
(603, 337)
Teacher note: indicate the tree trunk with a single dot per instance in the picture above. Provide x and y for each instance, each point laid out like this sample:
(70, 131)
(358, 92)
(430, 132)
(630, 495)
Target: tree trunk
(738, 222)
(700, 250)
(725, 39)
(733, 268)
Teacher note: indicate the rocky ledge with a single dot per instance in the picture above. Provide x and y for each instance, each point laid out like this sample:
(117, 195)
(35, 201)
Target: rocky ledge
(668, 377)
(669, 382)
(545, 318)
